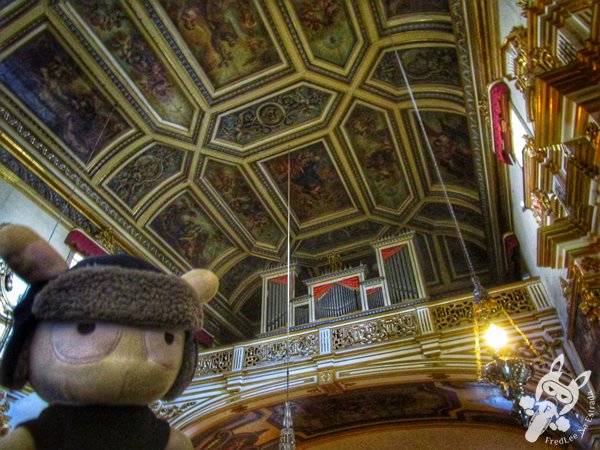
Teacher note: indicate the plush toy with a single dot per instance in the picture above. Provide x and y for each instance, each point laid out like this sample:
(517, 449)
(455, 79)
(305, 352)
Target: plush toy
(99, 342)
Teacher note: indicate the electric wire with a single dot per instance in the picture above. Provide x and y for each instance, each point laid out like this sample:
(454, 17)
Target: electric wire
(63, 211)
(435, 166)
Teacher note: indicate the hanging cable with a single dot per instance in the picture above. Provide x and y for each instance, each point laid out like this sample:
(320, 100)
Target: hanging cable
(479, 292)
(287, 440)
(289, 281)
(437, 170)
(72, 191)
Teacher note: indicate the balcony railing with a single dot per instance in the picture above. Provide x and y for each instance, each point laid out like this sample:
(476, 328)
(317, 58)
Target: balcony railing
(423, 340)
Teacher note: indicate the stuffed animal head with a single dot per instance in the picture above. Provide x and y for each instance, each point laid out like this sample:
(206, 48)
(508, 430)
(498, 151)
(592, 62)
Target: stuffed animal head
(112, 330)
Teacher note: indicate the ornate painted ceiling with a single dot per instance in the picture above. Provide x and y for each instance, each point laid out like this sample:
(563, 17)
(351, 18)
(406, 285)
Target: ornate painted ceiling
(179, 125)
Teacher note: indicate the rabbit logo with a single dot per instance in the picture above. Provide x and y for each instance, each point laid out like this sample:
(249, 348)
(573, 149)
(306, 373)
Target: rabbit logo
(553, 399)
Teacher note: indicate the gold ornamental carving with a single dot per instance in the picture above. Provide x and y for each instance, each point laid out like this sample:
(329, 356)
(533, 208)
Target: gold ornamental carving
(169, 412)
(537, 154)
(484, 108)
(375, 331)
(106, 238)
(540, 205)
(327, 383)
(335, 261)
(526, 62)
(461, 313)
(584, 286)
(590, 303)
(277, 351)
(212, 363)
(524, 6)
(590, 264)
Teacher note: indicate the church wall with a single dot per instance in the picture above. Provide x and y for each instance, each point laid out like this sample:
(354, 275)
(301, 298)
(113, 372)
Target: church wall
(16, 207)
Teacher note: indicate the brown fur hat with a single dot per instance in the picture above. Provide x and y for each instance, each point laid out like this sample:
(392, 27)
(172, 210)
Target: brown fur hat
(114, 288)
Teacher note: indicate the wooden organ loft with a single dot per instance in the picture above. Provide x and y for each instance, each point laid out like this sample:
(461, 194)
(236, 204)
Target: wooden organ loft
(555, 63)
(345, 291)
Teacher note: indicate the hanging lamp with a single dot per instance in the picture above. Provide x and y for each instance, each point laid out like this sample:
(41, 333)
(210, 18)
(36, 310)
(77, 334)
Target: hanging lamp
(508, 372)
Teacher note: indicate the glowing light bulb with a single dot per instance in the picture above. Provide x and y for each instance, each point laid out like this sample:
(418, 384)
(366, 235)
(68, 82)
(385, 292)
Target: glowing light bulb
(495, 337)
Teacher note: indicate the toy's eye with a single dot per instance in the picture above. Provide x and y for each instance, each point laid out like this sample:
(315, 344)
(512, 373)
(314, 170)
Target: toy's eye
(84, 328)
(84, 342)
(164, 347)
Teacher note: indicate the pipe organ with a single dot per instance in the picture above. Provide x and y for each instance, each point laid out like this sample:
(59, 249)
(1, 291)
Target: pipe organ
(344, 291)
(399, 266)
(338, 293)
(275, 297)
(376, 293)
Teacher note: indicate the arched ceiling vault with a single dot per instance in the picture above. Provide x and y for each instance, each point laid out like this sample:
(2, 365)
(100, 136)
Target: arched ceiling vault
(375, 417)
(175, 121)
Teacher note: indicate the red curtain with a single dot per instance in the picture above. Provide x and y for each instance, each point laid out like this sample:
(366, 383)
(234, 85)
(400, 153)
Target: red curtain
(372, 290)
(322, 289)
(500, 118)
(387, 253)
(83, 244)
(282, 279)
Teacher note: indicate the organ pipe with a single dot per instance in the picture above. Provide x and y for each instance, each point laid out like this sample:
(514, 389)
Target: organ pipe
(401, 276)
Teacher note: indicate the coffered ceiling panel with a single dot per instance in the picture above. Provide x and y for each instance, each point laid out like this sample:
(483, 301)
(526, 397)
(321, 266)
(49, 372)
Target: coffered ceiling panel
(181, 124)
(141, 65)
(423, 66)
(316, 187)
(448, 136)
(319, 246)
(227, 183)
(329, 35)
(378, 158)
(299, 109)
(145, 172)
(224, 45)
(187, 230)
(45, 77)
(398, 14)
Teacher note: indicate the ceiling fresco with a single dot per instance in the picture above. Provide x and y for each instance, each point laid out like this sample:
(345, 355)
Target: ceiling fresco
(145, 172)
(47, 79)
(184, 126)
(229, 40)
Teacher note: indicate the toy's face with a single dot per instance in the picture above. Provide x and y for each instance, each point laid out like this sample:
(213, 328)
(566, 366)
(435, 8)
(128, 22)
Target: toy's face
(103, 363)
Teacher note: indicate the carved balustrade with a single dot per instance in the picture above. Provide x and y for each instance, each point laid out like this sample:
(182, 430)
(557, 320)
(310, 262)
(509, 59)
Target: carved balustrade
(423, 339)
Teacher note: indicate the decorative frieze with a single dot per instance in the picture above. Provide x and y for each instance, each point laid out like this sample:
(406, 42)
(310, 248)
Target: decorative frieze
(211, 363)
(456, 314)
(374, 331)
(277, 351)
(170, 412)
